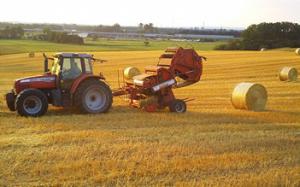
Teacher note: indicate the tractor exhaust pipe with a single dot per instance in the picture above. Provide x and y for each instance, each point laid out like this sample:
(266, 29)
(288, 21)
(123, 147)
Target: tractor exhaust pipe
(46, 69)
(163, 85)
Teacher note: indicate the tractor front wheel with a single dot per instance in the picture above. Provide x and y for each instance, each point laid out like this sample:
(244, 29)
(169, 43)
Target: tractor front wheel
(10, 101)
(93, 96)
(31, 102)
(178, 106)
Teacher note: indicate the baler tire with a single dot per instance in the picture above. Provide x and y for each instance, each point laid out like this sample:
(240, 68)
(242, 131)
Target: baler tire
(81, 96)
(37, 98)
(177, 106)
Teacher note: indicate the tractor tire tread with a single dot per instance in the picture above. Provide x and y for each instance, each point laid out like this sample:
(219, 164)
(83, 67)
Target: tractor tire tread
(27, 92)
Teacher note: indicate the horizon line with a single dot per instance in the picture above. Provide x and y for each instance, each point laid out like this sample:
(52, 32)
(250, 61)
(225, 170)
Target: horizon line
(82, 24)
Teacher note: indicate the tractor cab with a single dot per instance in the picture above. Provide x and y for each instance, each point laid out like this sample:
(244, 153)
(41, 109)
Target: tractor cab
(71, 64)
(68, 67)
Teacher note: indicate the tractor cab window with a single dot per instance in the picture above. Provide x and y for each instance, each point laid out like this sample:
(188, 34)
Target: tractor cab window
(88, 65)
(55, 67)
(71, 68)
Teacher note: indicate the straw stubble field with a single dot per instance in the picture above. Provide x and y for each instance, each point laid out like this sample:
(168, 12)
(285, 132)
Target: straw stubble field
(212, 143)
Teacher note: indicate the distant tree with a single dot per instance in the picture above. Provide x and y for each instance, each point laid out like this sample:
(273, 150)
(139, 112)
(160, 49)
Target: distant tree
(98, 28)
(267, 35)
(149, 28)
(141, 28)
(60, 37)
(117, 28)
(12, 32)
(46, 30)
(114, 28)
(19, 32)
(151, 25)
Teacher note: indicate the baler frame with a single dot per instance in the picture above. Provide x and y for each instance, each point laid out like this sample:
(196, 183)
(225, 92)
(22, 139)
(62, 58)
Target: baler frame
(154, 89)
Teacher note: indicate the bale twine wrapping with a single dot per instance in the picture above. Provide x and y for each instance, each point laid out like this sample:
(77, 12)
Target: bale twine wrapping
(130, 72)
(249, 96)
(297, 51)
(288, 74)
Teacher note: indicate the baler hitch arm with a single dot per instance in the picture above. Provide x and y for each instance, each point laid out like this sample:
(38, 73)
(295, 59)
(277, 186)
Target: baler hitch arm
(203, 57)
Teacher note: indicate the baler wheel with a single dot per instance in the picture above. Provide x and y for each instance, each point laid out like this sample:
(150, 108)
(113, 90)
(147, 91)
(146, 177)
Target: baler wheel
(178, 106)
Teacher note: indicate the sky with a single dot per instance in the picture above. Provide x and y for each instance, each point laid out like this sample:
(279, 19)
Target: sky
(163, 13)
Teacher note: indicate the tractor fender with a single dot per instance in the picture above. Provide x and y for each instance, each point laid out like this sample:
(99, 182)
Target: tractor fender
(81, 79)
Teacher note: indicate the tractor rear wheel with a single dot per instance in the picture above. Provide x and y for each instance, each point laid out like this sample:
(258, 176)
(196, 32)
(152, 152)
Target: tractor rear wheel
(93, 96)
(178, 106)
(31, 102)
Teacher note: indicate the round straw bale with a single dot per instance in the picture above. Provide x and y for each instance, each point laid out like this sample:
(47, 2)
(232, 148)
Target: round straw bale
(263, 49)
(31, 54)
(297, 51)
(249, 96)
(288, 74)
(130, 72)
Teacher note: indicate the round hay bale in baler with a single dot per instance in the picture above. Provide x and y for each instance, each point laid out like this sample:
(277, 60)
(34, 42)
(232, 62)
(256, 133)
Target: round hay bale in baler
(249, 96)
(130, 72)
(288, 74)
(297, 51)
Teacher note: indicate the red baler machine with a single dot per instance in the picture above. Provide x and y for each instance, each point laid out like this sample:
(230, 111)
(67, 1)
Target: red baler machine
(152, 90)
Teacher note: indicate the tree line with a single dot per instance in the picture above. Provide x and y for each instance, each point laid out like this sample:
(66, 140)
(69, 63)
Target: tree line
(140, 28)
(17, 32)
(59, 37)
(147, 28)
(266, 35)
(114, 28)
(223, 32)
(12, 32)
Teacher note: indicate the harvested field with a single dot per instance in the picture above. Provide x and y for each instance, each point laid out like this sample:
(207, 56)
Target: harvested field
(211, 144)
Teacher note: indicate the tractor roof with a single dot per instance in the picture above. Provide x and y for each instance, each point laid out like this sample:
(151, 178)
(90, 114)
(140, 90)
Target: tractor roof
(73, 55)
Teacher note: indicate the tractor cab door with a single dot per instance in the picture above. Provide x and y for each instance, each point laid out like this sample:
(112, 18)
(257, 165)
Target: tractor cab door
(71, 69)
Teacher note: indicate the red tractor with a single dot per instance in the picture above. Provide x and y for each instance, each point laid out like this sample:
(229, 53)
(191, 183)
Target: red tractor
(152, 90)
(69, 82)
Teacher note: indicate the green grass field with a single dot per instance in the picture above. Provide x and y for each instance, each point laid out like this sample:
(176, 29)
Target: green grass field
(25, 46)
(212, 144)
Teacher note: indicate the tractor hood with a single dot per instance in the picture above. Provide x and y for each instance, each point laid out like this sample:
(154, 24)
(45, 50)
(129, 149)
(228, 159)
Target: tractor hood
(39, 82)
